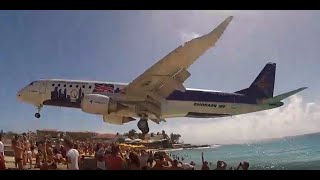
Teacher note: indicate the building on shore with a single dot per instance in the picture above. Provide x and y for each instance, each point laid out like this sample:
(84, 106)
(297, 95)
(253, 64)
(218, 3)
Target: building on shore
(81, 135)
(104, 137)
(51, 133)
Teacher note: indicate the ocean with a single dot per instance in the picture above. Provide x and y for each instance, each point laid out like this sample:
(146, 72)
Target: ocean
(290, 153)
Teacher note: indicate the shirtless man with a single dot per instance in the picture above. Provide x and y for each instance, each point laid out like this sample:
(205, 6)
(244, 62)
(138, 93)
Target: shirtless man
(28, 152)
(174, 165)
(18, 153)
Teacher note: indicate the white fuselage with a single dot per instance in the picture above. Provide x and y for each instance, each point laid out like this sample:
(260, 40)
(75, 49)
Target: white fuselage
(192, 103)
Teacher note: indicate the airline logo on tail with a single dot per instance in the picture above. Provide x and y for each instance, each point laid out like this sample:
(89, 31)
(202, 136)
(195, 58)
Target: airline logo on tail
(263, 82)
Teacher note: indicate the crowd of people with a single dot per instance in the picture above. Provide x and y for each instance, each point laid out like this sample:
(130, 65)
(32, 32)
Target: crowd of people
(48, 154)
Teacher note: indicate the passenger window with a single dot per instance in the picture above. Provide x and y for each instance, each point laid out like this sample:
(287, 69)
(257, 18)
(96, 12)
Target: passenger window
(59, 85)
(64, 85)
(83, 86)
(89, 87)
(70, 85)
(52, 84)
(77, 86)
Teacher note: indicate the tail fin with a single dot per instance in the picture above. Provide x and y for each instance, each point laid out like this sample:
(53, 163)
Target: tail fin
(263, 86)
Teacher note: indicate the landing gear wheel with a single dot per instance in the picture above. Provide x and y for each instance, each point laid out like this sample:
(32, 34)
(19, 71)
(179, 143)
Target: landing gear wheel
(37, 115)
(143, 126)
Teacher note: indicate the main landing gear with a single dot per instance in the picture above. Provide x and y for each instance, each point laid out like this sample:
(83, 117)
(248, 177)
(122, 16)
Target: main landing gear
(143, 124)
(37, 115)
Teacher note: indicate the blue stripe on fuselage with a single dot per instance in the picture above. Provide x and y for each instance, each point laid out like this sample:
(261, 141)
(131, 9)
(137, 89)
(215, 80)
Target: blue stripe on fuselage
(205, 96)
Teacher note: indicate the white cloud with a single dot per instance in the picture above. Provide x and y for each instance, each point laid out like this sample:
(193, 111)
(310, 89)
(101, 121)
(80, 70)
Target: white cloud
(184, 36)
(295, 118)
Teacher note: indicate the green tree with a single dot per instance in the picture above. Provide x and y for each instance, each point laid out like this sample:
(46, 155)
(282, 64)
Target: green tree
(174, 138)
(141, 136)
(120, 140)
(171, 138)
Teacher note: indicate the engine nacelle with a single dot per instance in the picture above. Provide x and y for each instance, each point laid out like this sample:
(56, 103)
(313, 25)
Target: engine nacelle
(98, 104)
(117, 119)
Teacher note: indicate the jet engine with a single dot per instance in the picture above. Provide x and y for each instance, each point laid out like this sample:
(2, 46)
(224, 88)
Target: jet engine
(99, 104)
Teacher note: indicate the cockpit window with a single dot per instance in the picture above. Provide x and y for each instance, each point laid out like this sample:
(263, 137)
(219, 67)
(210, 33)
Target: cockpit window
(32, 83)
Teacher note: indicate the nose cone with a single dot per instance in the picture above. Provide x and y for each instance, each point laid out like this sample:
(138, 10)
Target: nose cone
(20, 95)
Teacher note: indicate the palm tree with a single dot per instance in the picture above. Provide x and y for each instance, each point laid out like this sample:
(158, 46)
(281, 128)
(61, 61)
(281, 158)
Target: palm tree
(174, 138)
(141, 136)
(164, 135)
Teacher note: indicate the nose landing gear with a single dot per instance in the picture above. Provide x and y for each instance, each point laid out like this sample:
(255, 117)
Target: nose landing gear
(37, 115)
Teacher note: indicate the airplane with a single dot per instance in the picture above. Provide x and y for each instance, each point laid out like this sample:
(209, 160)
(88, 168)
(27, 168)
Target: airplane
(159, 92)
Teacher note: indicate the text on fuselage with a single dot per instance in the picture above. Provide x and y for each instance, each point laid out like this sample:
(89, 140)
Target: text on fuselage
(210, 105)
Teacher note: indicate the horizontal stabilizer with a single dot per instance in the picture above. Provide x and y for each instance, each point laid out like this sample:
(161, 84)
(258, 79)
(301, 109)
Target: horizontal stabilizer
(282, 96)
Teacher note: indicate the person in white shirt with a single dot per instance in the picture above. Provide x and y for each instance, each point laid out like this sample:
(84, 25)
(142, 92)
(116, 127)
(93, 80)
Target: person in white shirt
(72, 155)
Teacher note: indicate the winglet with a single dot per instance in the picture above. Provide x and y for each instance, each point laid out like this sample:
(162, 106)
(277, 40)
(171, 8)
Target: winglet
(218, 31)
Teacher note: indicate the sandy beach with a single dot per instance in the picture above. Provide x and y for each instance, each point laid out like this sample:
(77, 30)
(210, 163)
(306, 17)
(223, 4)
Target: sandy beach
(10, 165)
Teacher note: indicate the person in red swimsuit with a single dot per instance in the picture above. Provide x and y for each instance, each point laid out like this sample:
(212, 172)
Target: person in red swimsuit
(115, 161)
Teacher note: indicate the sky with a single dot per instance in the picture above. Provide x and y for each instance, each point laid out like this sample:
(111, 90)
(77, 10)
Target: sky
(118, 46)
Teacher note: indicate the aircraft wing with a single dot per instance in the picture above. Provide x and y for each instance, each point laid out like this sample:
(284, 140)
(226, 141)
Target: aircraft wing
(168, 74)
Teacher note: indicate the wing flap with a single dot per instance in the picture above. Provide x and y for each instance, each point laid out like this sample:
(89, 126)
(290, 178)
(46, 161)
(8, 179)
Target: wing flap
(174, 82)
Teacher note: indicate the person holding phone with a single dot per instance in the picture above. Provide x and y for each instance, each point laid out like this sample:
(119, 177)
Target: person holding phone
(204, 163)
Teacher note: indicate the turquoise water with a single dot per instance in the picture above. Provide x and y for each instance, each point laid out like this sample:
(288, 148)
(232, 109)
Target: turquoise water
(291, 153)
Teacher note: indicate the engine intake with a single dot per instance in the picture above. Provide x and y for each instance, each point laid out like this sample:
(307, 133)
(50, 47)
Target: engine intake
(98, 104)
